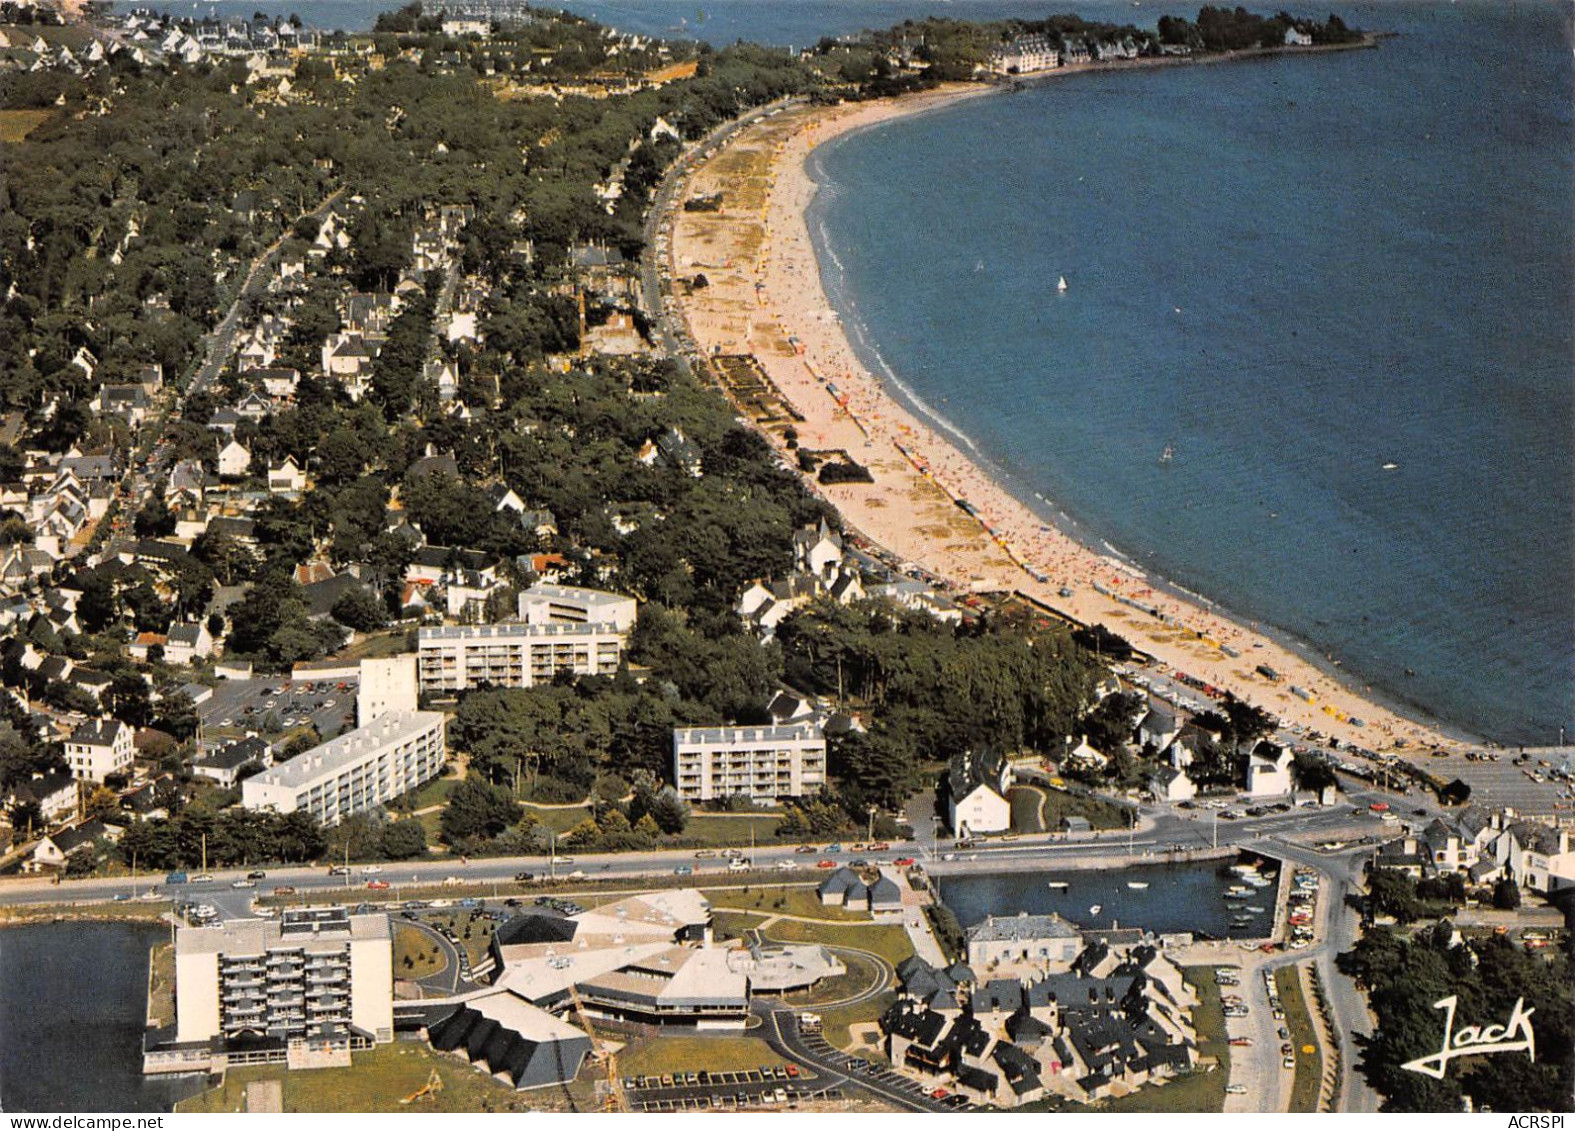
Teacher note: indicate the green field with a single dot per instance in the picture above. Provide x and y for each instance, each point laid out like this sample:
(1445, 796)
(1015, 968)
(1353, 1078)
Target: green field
(32, 913)
(1309, 1066)
(782, 900)
(890, 943)
(375, 1082)
(1026, 800)
(424, 955)
(657, 1055)
(161, 985)
(1101, 814)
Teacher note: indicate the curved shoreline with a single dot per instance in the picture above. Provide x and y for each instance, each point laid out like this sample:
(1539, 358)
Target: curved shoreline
(1084, 531)
(765, 298)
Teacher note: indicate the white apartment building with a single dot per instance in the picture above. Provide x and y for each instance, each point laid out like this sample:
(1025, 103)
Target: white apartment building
(762, 763)
(318, 974)
(385, 685)
(461, 657)
(359, 770)
(98, 748)
(569, 604)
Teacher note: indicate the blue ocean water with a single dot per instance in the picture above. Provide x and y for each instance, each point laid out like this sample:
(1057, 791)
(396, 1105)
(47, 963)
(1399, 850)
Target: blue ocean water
(777, 23)
(1295, 272)
(73, 999)
(1174, 897)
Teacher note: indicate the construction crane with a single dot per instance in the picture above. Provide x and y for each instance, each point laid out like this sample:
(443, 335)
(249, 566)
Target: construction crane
(616, 1100)
(432, 1087)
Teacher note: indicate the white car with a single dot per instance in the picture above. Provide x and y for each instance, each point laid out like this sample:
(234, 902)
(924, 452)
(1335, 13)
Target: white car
(1236, 1089)
(372, 870)
(243, 884)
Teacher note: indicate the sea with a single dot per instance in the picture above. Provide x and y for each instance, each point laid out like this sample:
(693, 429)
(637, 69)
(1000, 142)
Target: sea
(1338, 289)
(73, 999)
(1173, 897)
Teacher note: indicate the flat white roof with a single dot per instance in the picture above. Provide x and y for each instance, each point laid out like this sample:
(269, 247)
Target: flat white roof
(463, 632)
(731, 736)
(350, 747)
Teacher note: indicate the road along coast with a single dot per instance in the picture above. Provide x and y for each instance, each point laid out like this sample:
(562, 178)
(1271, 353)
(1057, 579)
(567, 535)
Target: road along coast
(762, 319)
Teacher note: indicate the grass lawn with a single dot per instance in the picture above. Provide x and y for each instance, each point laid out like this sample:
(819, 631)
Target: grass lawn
(891, 943)
(473, 937)
(725, 829)
(434, 792)
(1199, 1090)
(44, 912)
(1100, 813)
(17, 124)
(377, 1080)
(1309, 1066)
(782, 900)
(733, 924)
(657, 1055)
(161, 984)
(835, 1022)
(415, 946)
(374, 647)
(1025, 801)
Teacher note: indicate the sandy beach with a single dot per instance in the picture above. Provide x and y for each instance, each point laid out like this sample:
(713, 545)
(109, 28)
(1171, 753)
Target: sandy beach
(763, 297)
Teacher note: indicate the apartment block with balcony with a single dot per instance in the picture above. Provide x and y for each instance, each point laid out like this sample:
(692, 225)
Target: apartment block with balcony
(761, 763)
(256, 987)
(461, 657)
(356, 772)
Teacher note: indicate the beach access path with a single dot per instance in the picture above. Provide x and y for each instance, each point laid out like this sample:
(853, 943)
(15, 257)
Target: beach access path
(763, 299)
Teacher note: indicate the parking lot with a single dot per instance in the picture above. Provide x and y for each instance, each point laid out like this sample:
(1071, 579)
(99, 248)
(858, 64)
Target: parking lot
(858, 1068)
(272, 706)
(1508, 781)
(763, 1087)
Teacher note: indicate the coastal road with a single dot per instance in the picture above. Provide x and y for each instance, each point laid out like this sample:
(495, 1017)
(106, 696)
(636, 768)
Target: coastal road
(777, 863)
(654, 263)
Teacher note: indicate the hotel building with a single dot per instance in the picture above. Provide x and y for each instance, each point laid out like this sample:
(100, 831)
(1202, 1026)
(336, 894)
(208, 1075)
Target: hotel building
(761, 763)
(314, 981)
(359, 770)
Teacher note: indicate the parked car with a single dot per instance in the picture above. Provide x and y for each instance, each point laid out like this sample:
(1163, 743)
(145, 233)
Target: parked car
(256, 875)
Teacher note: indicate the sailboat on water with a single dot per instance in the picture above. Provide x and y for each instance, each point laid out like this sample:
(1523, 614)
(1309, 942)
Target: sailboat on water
(1168, 454)
(1060, 286)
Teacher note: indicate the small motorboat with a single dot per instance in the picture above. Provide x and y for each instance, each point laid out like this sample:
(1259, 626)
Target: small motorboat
(1095, 910)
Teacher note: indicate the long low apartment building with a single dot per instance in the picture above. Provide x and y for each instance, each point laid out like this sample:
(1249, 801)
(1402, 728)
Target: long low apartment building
(358, 771)
(460, 657)
(762, 763)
